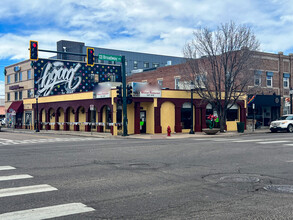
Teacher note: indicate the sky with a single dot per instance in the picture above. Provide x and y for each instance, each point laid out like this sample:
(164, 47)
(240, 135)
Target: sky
(150, 26)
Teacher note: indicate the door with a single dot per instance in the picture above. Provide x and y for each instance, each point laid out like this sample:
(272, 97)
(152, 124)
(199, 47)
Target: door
(266, 115)
(142, 122)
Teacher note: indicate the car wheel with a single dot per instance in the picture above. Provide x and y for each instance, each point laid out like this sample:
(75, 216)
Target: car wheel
(290, 128)
(273, 131)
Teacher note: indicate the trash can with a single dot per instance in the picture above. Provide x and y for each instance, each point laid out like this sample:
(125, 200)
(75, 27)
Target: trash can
(240, 127)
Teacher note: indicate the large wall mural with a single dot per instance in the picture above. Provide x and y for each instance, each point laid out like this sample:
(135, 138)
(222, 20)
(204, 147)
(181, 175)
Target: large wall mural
(57, 77)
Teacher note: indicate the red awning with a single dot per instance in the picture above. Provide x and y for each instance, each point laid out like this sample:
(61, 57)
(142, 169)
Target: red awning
(15, 106)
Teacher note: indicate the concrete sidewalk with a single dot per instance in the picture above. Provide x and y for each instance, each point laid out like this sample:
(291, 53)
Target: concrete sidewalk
(139, 136)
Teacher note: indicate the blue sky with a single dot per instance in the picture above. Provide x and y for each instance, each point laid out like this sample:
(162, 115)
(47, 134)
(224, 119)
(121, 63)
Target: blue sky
(152, 26)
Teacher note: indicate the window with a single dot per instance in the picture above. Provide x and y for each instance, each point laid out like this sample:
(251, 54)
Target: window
(29, 93)
(269, 81)
(257, 78)
(286, 77)
(156, 65)
(15, 95)
(8, 96)
(135, 64)
(16, 77)
(20, 95)
(186, 115)
(8, 79)
(126, 62)
(160, 82)
(146, 64)
(20, 76)
(232, 113)
(177, 80)
(29, 74)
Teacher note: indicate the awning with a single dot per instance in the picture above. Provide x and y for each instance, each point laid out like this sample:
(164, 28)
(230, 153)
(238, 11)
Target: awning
(15, 106)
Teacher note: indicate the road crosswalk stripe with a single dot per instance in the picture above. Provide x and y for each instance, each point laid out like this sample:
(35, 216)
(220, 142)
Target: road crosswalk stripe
(271, 142)
(7, 168)
(25, 190)
(15, 177)
(47, 212)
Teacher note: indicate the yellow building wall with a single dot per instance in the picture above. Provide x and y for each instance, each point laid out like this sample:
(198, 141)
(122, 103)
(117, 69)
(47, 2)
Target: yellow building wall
(61, 118)
(167, 116)
(81, 119)
(52, 119)
(130, 117)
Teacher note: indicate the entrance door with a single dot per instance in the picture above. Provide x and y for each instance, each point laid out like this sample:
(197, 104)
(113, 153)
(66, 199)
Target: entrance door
(142, 122)
(266, 115)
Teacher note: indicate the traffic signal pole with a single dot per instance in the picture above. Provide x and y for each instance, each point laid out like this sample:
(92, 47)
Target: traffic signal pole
(124, 98)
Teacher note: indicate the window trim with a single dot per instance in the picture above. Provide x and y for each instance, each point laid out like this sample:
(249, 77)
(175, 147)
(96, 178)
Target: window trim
(269, 78)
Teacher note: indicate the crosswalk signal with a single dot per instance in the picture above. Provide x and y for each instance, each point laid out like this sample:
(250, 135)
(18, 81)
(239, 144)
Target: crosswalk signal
(90, 56)
(33, 50)
(129, 94)
(119, 94)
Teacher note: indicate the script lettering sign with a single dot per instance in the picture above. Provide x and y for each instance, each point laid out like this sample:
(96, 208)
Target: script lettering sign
(57, 77)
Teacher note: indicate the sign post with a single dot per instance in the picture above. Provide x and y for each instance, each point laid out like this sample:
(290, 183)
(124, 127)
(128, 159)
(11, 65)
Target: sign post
(291, 93)
(92, 108)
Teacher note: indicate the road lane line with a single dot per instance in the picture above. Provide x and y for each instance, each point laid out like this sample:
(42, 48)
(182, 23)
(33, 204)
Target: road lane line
(47, 212)
(25, 190)
(7, 168)
(243, 141)
(271, 142)
(15, 177)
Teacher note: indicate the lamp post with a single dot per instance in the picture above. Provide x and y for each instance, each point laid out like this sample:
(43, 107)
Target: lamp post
(37, 105)
(191, 107)
(291, 92)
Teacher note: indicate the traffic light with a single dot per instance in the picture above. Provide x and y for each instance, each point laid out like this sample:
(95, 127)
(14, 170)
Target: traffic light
(90, 56)
(119, 94)
(129, 94)
(33, 50)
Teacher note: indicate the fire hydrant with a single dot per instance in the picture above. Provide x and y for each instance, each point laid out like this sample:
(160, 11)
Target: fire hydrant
(169, 131)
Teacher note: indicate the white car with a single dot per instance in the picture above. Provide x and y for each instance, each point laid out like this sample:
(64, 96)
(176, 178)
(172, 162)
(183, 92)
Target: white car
(284, 123)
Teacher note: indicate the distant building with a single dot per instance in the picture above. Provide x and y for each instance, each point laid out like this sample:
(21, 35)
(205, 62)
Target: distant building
(135, 61)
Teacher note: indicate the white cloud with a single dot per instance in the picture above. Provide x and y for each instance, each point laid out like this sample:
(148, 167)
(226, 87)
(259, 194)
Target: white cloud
(2, 89)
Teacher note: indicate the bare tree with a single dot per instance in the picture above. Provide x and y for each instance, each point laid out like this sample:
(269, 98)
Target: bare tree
(220, 64)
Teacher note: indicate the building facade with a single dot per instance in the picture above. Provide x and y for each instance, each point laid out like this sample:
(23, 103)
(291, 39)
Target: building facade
(135, 61)
(67, 95)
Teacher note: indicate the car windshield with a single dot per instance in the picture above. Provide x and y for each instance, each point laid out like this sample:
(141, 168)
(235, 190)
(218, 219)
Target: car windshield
(286, 117)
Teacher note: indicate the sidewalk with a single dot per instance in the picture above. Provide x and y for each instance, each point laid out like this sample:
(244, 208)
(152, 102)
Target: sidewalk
(139, 136)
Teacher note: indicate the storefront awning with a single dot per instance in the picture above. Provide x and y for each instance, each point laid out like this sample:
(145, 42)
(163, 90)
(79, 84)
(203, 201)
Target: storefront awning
(15, 106)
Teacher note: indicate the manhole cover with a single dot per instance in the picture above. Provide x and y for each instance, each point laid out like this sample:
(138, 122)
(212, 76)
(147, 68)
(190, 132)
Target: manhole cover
(279, 188)
(239, 179)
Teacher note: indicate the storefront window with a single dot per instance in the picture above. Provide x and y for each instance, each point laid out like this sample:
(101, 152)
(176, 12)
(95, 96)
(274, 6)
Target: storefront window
(232, 113)
(186, 115)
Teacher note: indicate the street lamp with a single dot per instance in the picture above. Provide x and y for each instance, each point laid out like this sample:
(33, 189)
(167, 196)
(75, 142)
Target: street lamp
(291, 92)
(37, 105)
(191, 107)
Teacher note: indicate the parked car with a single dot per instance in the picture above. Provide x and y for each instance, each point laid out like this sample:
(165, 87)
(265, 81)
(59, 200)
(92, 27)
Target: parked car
(3, 121)
(284, 123)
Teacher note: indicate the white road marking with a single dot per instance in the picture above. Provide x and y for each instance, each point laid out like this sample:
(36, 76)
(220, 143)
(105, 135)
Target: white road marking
(271, 142)
(15, 177)
(224, 139)
(243, 141)
(47, 212)
(25, 190)
(7, 168)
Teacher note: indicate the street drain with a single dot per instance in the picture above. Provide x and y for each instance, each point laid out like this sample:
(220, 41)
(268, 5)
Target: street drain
(279, 188)
(239, 179)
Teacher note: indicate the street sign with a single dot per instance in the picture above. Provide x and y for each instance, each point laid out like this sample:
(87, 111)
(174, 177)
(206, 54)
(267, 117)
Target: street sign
(291, 92)
(110, 57)
(92, 107)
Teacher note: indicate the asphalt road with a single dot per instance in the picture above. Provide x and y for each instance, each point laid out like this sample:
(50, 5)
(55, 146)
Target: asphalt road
(245, 177)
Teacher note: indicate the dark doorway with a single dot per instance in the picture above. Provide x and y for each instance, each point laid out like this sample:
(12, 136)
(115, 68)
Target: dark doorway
(142, 122)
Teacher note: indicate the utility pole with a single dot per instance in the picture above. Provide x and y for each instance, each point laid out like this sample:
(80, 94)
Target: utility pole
(124, 98)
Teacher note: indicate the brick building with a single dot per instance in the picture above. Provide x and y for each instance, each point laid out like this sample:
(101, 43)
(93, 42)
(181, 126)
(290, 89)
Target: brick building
(270, 90)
